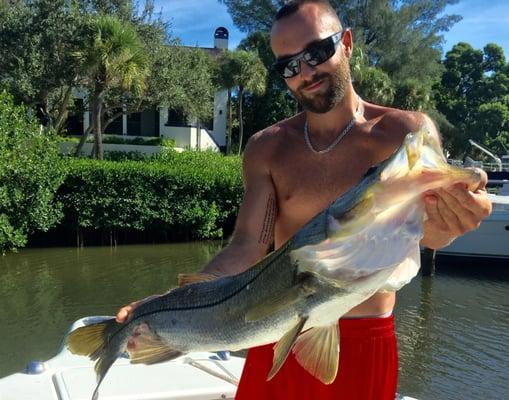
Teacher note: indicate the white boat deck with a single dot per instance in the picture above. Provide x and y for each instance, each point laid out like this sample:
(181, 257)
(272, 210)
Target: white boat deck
(69, 377)
(196, 376)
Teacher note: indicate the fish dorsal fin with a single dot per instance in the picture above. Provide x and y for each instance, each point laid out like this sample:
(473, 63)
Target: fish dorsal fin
(283, 347)
(317, 351)
(303, 289)
(186, 279)
(149, 348)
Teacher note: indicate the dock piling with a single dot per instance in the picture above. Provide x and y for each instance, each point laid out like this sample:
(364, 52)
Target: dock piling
(428, 262)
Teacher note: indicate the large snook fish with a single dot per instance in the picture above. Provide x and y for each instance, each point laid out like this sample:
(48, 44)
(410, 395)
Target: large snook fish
(366, 241)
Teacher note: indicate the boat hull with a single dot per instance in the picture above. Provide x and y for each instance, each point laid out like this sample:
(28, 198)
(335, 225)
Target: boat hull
(490, 240)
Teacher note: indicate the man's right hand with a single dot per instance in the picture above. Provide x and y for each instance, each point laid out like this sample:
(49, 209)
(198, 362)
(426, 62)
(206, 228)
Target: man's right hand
(125, 314)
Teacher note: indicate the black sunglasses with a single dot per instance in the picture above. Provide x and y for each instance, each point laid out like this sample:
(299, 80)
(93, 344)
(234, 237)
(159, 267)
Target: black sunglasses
(313, 55)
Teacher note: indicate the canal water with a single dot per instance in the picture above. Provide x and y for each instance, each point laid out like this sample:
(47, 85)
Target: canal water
(453, 329)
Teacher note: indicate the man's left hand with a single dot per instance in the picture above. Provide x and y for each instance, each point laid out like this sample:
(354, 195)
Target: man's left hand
(454, 211)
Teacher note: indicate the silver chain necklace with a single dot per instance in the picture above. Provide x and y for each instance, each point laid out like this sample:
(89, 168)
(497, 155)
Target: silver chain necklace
(338, 138)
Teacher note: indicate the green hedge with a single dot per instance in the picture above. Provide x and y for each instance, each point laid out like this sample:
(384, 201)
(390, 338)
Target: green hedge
(30, 173)
(176, 196)
(139, 141)
(189, 195)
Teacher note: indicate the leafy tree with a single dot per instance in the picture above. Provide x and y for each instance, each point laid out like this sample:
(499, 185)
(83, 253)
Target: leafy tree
(372, 83)
(179, 77)
(403, 38)
(40, 41)
(113, 57)
(245, 71)
(30, 175)
(37, 42)
(412, 94)
(224, 79)
(473, 95)
(276, 103)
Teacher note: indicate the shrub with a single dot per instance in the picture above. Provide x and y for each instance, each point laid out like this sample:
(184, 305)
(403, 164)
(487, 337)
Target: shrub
(124, 156)
(189, 195)
(30, 173)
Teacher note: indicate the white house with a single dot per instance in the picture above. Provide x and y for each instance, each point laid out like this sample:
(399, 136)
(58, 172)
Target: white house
(164, 122)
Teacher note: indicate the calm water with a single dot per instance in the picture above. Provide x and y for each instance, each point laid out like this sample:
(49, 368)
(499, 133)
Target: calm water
(453, 329)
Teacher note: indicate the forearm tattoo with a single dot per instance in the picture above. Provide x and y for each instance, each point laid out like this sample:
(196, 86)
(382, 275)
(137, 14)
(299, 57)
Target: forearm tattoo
(267, 233)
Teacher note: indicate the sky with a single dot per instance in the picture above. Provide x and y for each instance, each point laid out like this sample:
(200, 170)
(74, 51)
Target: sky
(194, 22)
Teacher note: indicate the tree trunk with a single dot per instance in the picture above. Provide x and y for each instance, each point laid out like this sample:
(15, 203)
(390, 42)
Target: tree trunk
(62, 111)
(83, 140)
(198, 135)
(241, 122)
(96, 120)
(230, 118)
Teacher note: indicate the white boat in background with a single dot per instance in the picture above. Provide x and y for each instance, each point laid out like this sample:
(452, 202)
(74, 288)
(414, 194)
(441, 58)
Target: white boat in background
(491, 239)
(195, 376)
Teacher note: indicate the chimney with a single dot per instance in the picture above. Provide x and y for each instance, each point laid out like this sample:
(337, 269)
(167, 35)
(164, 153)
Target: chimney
(221, 38)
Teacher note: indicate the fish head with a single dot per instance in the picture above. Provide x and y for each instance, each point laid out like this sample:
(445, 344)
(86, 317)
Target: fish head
(419, 165)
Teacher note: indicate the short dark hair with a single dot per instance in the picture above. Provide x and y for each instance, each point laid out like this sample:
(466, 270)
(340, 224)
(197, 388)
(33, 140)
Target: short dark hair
(294, 5)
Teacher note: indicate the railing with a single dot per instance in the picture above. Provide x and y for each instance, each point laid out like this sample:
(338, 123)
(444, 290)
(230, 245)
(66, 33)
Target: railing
(487, 166)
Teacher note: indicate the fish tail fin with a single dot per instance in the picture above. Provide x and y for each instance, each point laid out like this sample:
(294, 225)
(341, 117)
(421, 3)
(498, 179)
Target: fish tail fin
(103, 364)
(90, 340)
(95, 341)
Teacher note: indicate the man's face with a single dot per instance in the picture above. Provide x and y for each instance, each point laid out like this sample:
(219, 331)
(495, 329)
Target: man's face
(318, 89)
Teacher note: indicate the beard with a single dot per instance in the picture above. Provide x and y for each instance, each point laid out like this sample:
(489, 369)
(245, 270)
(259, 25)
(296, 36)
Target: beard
(321, 103)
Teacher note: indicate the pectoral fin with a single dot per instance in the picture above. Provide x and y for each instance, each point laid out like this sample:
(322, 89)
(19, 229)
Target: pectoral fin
(283, 347)
(317, 351)
(273, 305)
(304, 288)
(146, 347)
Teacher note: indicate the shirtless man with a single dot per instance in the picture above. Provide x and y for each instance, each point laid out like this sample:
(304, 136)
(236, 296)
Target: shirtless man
(290, 175)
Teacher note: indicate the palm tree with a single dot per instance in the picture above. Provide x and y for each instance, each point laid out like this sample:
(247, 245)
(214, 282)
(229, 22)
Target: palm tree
(112, 57)
(245, 71)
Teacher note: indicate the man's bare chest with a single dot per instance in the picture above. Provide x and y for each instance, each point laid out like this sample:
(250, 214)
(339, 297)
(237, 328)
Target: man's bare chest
(305, 184)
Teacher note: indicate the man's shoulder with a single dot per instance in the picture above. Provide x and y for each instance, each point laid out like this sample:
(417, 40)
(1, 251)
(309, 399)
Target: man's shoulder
(391, 125)
(273, 135)
(403, 121)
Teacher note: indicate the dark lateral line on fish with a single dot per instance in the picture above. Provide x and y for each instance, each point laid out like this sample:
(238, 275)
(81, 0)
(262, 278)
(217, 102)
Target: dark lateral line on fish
(370, 176)
(281, 253)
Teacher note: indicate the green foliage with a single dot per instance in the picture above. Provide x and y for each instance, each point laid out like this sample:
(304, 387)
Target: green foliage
(473, 95)
(372, 83)
(245, 71)
(113, 57)
(183, 79)
(189, 195)
(37, 42)
(396, 55)
(140, 141)
(403, 38)
(276, 103)
(30, 175)
(413, 94)
(47, 47)
(124, 156)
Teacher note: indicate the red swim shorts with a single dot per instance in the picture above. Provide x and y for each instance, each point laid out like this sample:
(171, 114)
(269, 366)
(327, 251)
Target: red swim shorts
(368, 368)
